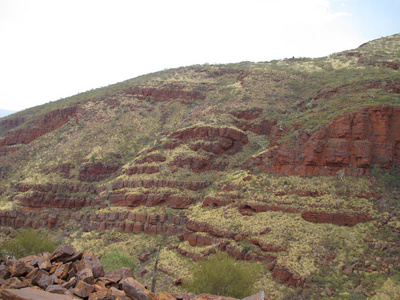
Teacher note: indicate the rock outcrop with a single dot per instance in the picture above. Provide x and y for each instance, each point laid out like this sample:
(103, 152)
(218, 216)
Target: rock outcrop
(123, 221)
(335, 218)
(96, 171)
(352, 142)
(165, 94)
(36, 128)
(173, 142)
(9, 124)
(235, 136)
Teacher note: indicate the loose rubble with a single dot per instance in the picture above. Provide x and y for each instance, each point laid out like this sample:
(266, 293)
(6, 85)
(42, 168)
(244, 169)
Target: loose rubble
(67, 274)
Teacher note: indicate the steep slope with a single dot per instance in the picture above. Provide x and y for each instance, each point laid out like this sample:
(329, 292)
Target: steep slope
(5, 112)
(262, 160)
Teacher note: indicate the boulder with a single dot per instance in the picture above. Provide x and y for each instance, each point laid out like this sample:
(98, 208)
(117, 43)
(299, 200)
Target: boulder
(62, 252)
(135, 290)
(145, 256)
(164, 296)
(31, 293)
(70, 283)
(15, 283)
(93, 262)
(62, 270)
(86, 275)
(104, 294)
(36, 275)
(45, 281)
(57, 289)
(4, 272)
(265, 230)
(118, 293)
(83, 289)
(44, 262)
(74, 257)
(17, 268)
(119, 275)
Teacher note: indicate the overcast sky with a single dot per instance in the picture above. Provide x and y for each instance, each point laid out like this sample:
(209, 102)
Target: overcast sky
(51, 49)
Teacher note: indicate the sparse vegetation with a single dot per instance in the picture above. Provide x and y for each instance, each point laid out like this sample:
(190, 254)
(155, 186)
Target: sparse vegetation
(29, 242)
(162, 181)
(391, 179)
(223, 275)
(114, 259)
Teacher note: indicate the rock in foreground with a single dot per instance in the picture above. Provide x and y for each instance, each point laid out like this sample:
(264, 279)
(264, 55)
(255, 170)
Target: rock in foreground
(75, 275)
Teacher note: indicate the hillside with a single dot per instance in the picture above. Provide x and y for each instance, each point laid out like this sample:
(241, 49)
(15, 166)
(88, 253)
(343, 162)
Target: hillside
(5, 112)
(292, 163)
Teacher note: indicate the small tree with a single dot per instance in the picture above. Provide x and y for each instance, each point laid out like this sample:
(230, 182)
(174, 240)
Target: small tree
(29, 242)
(224, 276)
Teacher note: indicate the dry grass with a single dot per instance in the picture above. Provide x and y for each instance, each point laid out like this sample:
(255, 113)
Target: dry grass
(112, 126)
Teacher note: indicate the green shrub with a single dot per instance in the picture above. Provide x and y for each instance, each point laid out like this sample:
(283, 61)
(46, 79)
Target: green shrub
(392, 179)
(389, 179)
(114, 259)
(29, 242)
(224, 276)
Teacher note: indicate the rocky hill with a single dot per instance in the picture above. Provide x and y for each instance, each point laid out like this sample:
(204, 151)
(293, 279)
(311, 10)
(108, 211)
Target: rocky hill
(293, 163)
(5, 112)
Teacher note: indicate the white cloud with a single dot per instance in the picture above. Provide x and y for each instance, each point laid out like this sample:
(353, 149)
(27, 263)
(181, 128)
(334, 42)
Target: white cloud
(52, 49)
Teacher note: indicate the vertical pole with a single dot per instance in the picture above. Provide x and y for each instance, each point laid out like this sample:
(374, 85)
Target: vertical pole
(153, 282)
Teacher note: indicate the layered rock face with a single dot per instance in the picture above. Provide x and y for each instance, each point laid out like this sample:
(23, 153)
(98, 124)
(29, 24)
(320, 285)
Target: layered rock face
(36, 128)
(165, 94)
(353, 142)
(197, 234)
(358, 140)
(178, 154)
(96, 171)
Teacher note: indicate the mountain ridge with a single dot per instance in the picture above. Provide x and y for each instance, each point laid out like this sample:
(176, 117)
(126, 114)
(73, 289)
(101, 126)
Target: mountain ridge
(6, 112)
(211, 155)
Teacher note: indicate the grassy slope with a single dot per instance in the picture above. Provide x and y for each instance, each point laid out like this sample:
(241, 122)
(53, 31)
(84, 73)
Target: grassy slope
(110, 121)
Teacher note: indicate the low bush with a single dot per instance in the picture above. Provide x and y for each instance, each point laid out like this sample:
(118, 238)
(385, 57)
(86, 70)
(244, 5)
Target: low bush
(29, 242)
(392, 178)
(224, 276)
(389, 179)
(114, 259)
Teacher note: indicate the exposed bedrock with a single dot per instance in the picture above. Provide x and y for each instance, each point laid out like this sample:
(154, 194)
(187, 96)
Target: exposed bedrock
(36, 128)
(336, 218)
(142, 170)
(211, 132)
(96, 171)
(249, 114)
(38, 199)
(197, 165)
(139, 199)
(344, 219)
(352, 142)
(9, 124)
(198, 234)
(123, 221)
(165, 94)
(66, 196)
(148, 183)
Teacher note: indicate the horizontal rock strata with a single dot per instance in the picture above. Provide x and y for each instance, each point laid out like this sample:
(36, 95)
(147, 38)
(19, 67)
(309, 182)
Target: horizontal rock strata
(352, 142)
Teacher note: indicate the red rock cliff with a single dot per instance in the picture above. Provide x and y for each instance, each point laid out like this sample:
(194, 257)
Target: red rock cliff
(352, 142)
(36, 128)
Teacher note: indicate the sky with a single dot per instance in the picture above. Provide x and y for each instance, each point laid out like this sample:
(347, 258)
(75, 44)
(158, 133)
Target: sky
(52, 49)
